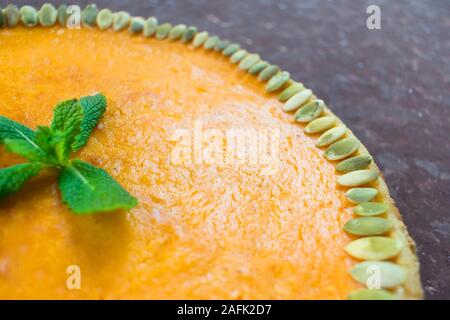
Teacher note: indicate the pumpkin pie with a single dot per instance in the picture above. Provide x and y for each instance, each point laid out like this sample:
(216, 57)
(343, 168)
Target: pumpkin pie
(249, 187)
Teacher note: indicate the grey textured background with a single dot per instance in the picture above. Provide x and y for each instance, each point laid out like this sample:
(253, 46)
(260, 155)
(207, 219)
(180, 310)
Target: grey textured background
(391, 85)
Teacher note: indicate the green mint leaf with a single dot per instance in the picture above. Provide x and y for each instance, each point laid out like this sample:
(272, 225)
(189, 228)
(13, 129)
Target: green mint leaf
(24, 148)
(88, 189)
(10, 129)
(20, 140)
(66, 115)
(12, 178)
(93, 108)
(67, 119)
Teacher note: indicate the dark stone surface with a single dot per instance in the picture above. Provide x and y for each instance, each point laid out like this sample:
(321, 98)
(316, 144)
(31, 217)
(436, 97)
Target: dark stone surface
(391, 85)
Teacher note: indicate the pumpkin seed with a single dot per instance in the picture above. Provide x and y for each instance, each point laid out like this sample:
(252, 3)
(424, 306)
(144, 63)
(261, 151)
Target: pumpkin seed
(359, 195)
(297, 100)
(370, 209)
(391, 274)
(374, 248)
(309, 111)
(211, 42)
(230, 49)
(248, 61)
(290, 91)
(62, 14)
(189, 34)
(221, 45)
(371, 294)
(47, 15)
(136, 25)
(342, 149)
(150, 26)
(258, 67)
(104, 19)
(28, 15)
(162, 31)
(320, 124)
(331, 136)
(357, 178)
(12, 15)
(368, 226)
(199, 39)
(2, 18)
(277, 81)
(121, 20)
(89, 15)
(355, 163)
(238, 56)
(268, 73)
(177, 32)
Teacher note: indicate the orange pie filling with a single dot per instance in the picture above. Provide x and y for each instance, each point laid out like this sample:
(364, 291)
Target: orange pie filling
(206, 226)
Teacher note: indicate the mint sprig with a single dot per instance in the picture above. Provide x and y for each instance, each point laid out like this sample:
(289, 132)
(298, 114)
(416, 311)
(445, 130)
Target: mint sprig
(85, 188)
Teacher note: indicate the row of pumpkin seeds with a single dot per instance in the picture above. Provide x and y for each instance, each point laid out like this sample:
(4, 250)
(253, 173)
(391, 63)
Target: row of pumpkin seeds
(373, 247)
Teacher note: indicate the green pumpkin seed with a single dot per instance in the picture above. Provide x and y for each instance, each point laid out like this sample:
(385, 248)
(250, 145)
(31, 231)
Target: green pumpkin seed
(359, 195)
(136, 25)
(277, 81)
(211, 42)
(391, 274)
(12, 15)
(290, 91)
(47, 15)
(357, 178)
(121, 20)
(28, 15)
(320, 124)
(2, 18)
(162, 31)
(307, 113)
(62, 15)
(104, 19)
(268, 73)
(370, 209)
(177, 32)
(199, 39)
(238, 56)
(355, 163)
(331, 136)
(150, 26)
(189, 34)
(374, 248)
(230, 49)
(221, 45)
(368, 226)
(371, 294)
(248, 61)
(89, 15)
(310, 111)
(342, 149)
(258, 67)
